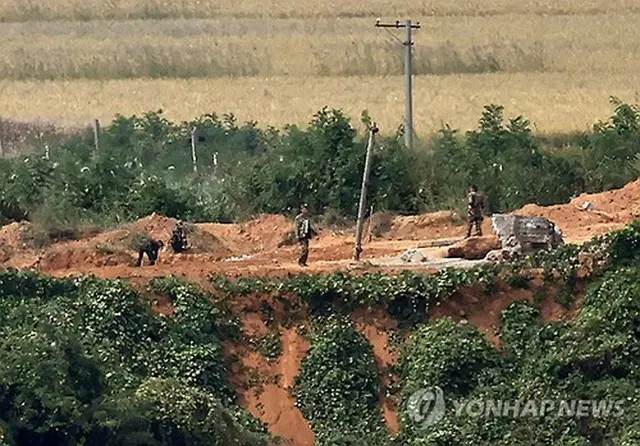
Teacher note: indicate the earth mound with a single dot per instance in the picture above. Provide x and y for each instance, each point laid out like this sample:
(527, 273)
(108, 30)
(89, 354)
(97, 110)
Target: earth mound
(474, 248)
(161, 227)
(589, 215)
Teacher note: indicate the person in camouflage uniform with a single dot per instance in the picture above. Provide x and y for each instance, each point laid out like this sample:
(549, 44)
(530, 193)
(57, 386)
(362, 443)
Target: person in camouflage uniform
(305, 231)
(477, 207)
(178, 240)
(151, 248)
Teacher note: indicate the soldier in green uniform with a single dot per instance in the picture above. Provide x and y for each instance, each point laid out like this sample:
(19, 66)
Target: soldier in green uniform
(305, 231)
(178, 240)
(477, 207)
(151, 248)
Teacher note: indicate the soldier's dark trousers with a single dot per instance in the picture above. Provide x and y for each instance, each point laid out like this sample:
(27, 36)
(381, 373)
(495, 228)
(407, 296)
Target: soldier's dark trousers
(152, 254)
(304, 252)
(478, 223)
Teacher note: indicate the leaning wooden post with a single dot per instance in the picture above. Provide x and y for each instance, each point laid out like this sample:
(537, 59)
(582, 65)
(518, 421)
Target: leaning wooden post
(363, 191)
(96, 133)
(194, 158)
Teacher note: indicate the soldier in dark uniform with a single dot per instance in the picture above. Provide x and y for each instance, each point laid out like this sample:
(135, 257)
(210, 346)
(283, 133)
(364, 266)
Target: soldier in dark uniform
(476, 208)
(179, 238)
(305, 231)
(151, 248)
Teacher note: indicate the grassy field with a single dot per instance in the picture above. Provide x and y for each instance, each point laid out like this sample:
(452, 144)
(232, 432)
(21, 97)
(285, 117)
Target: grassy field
(606, 44)
(557, 62)
(12, 10)
(554, 102)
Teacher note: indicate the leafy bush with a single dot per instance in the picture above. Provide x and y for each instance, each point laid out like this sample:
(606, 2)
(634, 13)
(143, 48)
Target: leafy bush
(205, 422)
(269, 345)
(337, 389)
(17, 284)
(520, 324)
(144, 165)
(196, 318)
(75, 352)
(608, 326)
(592, 358)
(623, 246)
(448, 355)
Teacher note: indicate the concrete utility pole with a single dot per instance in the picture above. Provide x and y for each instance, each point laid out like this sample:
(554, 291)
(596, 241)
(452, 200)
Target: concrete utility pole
(194, 158)
(96, 134)
(1, 137)
(363, 191)
(408, 72)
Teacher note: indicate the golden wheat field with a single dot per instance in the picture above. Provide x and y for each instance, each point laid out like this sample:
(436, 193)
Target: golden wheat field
(22, 10)
(556, 62)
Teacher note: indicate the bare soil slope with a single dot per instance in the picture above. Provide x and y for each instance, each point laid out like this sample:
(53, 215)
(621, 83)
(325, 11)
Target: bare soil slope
(256, 247)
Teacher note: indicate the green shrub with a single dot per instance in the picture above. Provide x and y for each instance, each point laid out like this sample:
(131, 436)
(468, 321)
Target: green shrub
(74, 351)
(197, 417)
(445, 354)
(337, 389)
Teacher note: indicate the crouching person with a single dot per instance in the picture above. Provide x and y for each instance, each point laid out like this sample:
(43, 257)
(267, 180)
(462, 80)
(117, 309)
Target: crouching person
(151, 248)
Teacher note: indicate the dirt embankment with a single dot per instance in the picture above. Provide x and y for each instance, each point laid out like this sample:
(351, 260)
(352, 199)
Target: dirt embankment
(377, 326)
(256, 247)
(611, 210)
(264, 376)
(483, 312)
(264, 383)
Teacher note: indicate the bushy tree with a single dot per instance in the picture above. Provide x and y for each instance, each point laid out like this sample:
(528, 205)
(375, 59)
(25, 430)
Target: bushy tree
(337, 389)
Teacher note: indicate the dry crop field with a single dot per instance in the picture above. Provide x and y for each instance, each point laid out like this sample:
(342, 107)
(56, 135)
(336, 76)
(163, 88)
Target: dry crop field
(557, 62)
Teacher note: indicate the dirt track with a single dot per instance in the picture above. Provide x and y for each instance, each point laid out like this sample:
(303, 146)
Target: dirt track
(253, 248)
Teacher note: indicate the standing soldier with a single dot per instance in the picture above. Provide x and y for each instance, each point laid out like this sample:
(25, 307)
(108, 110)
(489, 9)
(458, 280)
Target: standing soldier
(178, 240)
(305, 231)
(151, 248)
(477, 206)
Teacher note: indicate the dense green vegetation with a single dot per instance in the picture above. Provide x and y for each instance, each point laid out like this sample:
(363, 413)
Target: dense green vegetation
(84, 361)
(595, 357)
(339, 384)
(144, 165)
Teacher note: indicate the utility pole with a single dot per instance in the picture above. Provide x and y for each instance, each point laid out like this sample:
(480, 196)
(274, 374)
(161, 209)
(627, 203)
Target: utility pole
(363, 191)
(408, 72)
(194, 159)
(96, 134)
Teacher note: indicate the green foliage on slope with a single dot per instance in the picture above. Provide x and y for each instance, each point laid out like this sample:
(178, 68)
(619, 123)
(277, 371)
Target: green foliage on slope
(85, 362)
(338, 386)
